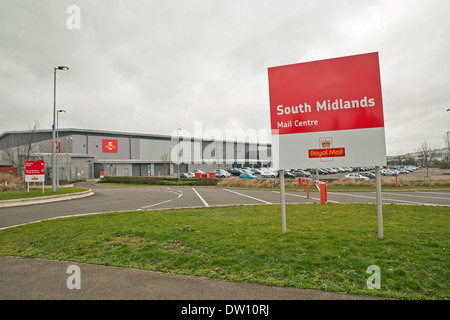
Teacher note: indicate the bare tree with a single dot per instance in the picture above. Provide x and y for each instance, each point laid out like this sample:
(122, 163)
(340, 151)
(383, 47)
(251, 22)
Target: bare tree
(165, 159)
(19, 148)
(427, 154)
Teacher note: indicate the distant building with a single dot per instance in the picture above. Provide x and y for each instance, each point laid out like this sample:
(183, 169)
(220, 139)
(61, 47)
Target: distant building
(88, 153)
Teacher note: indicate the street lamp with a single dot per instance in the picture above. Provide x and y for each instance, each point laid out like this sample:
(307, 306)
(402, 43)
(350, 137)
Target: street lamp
(53, 127)
(58, 145)
(178, 154)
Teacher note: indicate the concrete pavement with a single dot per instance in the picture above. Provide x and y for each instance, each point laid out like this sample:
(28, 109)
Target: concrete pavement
(36, 279)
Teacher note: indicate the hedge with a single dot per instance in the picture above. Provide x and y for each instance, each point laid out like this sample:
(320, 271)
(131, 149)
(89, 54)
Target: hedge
(167, 181)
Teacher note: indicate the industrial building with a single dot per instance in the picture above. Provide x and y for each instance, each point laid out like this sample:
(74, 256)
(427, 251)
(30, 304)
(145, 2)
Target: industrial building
(85, 154)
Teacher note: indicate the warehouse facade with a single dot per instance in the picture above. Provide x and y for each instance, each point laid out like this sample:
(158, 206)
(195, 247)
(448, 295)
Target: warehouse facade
(85, 154)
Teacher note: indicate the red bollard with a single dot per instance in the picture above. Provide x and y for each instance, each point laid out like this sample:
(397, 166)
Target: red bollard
(307, 188)
(300, 180)
(323, 193)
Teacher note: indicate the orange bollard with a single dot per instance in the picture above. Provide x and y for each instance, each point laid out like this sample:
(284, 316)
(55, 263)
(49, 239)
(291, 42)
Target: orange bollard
(300, 181)
(307, 188)
(323, 193)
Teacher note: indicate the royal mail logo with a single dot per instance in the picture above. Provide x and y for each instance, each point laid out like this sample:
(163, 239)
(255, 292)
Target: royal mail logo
(326, 143)
(326, 153)
(109, 145)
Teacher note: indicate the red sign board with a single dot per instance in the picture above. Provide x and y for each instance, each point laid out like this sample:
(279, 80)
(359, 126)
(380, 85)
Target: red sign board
(327, 113)
(110, 146)
(34, 171)
(326, 95)
(34, 167)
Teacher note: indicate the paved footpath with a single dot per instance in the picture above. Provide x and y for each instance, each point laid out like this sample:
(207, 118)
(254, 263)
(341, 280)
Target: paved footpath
(38, 279)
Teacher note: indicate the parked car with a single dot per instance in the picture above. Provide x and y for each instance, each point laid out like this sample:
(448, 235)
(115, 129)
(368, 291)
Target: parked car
(355, 176)
(187, 175)
(289, 175)
(256, 171)
(246, 175)
(369, 175)
(268, 174)
(387, 172)
(220, 173)
(235, 172)
(301, 173)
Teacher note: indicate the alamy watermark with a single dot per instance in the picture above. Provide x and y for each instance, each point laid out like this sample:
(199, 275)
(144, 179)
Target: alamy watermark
(73, 21)
(215, 146)
(374, 281)
(74, 280)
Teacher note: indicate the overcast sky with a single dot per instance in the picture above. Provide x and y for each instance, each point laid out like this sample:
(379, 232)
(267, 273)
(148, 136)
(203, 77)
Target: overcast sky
(155, 66)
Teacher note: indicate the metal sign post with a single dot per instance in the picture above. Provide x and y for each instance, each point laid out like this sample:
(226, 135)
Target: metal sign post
(283, 202)
(379, 203)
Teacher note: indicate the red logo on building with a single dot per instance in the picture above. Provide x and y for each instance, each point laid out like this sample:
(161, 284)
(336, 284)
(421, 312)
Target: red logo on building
(110, 146)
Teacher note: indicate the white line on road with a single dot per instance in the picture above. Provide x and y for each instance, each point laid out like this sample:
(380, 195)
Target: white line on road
(203, 200)
(244, 195)
(300, 196)
(152, 205)
(384, 199)
(433, 192)
(416, 196)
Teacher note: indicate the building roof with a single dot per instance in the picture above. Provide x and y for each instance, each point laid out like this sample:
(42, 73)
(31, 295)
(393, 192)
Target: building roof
(116, 133)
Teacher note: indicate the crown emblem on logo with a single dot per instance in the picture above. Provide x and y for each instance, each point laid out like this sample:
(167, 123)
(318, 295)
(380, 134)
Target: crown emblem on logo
(326, 143)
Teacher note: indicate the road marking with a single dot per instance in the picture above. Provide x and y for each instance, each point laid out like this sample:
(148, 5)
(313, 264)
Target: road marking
(203, 200)
(152, 205)
(416, 196)
(304, 197)
(433, 192)
(244, 195)
(384, 199)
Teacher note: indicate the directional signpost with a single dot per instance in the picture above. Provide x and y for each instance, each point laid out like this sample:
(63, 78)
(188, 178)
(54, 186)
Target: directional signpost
(328, 113)
(34, 172)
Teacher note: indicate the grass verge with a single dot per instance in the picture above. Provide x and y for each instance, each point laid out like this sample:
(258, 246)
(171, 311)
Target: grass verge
(326, 247)
(11, 195)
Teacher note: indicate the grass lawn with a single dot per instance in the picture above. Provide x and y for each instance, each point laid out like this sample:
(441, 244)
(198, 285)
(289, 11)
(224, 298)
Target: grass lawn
(9, 195)
(327, 247)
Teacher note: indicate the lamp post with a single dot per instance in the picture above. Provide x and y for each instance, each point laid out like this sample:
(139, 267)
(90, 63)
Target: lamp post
(58, 145)
(53, 127)
(178, 154)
